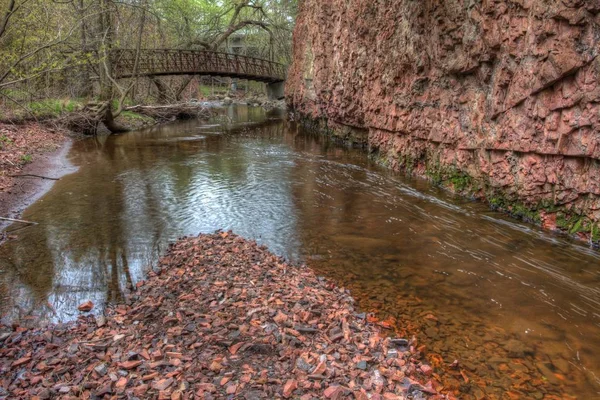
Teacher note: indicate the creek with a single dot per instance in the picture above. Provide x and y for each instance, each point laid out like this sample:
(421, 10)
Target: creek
(516, 306)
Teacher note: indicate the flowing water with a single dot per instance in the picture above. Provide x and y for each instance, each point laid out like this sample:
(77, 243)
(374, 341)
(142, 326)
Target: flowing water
(517, 307)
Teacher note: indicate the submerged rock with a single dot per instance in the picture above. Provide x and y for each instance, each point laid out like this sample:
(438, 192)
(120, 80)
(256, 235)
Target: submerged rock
(85, 307)
(517, 349)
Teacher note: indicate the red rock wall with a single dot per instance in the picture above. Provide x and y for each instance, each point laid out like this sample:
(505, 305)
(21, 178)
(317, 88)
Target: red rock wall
(506, 92)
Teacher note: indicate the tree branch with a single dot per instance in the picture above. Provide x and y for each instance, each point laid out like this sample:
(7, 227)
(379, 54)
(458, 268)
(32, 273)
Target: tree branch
(57, 40)
(199, 42)
(234, 28)
(12, 9)
(7, 15)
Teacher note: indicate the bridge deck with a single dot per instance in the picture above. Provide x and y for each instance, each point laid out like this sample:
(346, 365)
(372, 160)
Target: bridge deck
(195, 62)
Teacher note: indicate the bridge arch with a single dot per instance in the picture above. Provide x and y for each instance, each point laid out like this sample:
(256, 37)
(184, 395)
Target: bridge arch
(161, 62)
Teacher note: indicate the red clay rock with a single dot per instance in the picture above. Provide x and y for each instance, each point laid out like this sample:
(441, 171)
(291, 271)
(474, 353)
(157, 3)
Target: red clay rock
(21, 361)
(85, 307)
(426, 369)
(507, 94)
(289, 388)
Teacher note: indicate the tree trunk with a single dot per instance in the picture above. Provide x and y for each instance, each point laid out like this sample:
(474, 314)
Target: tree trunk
(162, 96)
(182, 87)
(106, 29)
(84, 85)
(109, 121)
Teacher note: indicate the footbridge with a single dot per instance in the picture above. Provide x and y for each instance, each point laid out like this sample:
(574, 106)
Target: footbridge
(161, 62)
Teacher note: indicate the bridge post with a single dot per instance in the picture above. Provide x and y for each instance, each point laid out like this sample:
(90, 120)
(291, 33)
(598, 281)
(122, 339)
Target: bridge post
(275, 90)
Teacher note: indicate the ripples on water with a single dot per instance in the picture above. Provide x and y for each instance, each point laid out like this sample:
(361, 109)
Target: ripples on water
(516, 306)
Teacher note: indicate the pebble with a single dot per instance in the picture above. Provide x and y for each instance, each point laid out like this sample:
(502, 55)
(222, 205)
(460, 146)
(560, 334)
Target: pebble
(101, 369)
(362, 365)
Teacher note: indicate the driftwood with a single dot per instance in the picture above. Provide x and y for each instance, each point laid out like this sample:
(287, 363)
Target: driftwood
(171, 111)
(88, 119)
(18, 220)
(34, 176)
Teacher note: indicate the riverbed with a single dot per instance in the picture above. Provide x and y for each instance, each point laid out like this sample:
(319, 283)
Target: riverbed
(515, 306)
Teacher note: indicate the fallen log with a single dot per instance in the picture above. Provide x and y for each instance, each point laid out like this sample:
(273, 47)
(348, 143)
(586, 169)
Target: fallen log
(87, 120)
(171, 111)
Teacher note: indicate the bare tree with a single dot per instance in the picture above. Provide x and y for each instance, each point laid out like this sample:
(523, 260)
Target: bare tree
(216, 36)
(108, 114)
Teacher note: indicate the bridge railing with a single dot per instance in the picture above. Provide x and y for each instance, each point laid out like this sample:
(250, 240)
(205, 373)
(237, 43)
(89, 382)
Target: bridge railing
(173, 62)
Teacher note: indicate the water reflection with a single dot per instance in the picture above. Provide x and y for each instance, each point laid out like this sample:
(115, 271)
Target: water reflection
(135, 193)
(517, 307)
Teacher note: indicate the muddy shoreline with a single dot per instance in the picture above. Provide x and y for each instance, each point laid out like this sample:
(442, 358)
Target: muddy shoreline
(28, 189)
(221, 317)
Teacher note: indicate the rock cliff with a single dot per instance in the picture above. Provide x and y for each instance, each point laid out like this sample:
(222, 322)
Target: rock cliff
(500, 99)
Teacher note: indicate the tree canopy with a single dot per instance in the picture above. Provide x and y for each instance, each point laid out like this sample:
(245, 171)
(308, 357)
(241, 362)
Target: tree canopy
(41, 37)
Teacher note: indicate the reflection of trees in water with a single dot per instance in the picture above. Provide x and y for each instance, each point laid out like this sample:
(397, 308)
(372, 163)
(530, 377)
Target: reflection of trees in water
(126, 188)
(19, 280)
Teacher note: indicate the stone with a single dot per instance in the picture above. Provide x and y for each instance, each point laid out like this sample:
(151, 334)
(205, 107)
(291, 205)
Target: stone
(334, 392)
(121, 384)
(145, 350)
(426, 370)
(162, 384)
(303, 365)
(64, 389)
(431, 333)
(547, 373)
(130, 364)
(400, 342)
(140, 390)
(100, 320)
(118, 337)
(362, 365)
(336, 334)
(104, 389)
(86, 306)
(516, 349)
(360, 395)
(320, 368)
(21, 361)
(101, 369)
(289, 388)
(562, 365)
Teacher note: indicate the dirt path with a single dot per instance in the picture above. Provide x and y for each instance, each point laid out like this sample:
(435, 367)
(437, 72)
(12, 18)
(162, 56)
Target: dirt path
(222, 318)
(30, 149)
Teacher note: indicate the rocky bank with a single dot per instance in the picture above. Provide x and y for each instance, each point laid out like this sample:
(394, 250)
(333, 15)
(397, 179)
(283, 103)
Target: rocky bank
(500, 100)
(221, 318)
